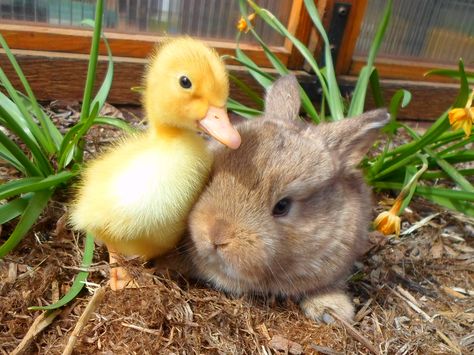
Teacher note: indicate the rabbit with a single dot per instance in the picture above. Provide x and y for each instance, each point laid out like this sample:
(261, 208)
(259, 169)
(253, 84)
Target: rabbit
(286, 214)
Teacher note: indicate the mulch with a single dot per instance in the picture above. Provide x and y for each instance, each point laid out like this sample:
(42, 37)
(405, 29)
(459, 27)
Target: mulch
(414, 294)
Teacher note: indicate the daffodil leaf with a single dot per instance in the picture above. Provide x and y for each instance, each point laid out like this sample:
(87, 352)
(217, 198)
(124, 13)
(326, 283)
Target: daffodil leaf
(464, 89)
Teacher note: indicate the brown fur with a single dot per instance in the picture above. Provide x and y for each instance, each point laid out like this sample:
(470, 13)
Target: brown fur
(239, 246)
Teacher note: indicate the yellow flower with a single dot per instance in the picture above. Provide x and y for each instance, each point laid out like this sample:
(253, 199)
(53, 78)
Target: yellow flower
(389, 222)
(242, 24)
(463, 117)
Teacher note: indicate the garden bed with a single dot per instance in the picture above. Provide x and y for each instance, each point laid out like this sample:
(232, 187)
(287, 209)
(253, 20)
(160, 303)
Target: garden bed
(413, 294)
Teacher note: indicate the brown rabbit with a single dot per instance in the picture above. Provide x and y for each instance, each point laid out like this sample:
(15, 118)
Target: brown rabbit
(288, 212)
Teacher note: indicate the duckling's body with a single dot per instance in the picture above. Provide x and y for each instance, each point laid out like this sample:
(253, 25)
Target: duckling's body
(136, 197)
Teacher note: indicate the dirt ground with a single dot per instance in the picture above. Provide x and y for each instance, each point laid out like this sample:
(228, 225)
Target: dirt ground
(414, 295)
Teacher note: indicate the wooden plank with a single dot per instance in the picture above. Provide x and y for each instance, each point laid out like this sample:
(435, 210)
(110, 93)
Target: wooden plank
(56, 76)
(59, 76)
(302, 31)
(135, 45)
(404, 69)
(429, 100)
(349, 40)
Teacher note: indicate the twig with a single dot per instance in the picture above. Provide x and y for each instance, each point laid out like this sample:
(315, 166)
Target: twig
(91, 306)
(412, 305)
(41, 322)
(355, 334)
(324, 350)
(142, 329)
(448, 342)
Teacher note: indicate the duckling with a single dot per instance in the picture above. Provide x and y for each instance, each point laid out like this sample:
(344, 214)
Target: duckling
(136, 197)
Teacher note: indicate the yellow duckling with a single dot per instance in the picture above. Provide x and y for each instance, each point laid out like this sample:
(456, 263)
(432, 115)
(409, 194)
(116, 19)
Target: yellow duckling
(136, 197)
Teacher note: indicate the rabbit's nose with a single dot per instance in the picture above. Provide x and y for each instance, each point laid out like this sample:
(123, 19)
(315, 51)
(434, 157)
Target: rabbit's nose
(219, 233)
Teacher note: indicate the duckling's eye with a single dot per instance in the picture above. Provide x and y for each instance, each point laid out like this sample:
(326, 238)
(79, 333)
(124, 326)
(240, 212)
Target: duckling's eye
(282, 207)
(185, 82)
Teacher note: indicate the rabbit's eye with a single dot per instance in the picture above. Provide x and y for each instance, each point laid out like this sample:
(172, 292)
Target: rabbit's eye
(282, 207)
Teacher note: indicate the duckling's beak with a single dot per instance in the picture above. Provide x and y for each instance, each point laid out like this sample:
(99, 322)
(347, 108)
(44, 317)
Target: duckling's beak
(217, 124)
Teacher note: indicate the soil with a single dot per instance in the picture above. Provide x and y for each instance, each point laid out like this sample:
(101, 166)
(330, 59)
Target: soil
(414, 294)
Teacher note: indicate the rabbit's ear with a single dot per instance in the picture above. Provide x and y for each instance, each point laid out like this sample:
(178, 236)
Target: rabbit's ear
(353, 137)
(283, 99)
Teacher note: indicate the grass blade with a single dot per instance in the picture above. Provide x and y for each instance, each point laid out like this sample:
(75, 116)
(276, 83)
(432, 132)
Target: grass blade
(358, 99)
(242, 110)
(376, 89)
(15, 151)
(51, 133)
(464, 89)
(107, 83)
(10, 158)
(277, 25)
(280, 67)
(264, 79)
(36, 205)
(14, 208)
(32, 184)
(80, 279)
(334, 99)
(93, 58)
(247, 90)
(115, 122)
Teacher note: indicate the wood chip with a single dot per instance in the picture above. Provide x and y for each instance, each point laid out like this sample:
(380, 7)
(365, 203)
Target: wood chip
(463, 291)
(40, 323)
(449, 291)
(142, 329)
(325, 350)
(437, 249)
(12, 272)
(355, 334)
(91, 306)
(419, 224)
(280, 343)
(412, 305)
(264, 330)
(449, 342)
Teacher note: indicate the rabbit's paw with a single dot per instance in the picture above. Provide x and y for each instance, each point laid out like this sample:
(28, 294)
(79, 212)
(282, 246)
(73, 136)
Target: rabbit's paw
(315, 307)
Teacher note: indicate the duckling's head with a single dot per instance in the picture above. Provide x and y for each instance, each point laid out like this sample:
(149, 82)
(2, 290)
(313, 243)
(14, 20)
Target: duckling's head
(186, 87)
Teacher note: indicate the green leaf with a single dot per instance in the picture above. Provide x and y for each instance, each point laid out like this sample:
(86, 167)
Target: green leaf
(32, 184)
(80, 279)
(455, 74)
(376, 89)
(334, 99)
(14, 208)
(264, 79)
(247, 90)
(115, 122)
(107, 83)
(400, 99)
(242, 110)
(74, 136)
(44, 140)
(93, 58)
(51, 133)
(17, 125)
(9, 157)
(16, 152)
(280, 67)
(464, 89)
(358, 99)
(270, 19)
(36, 205)
(460, 180)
